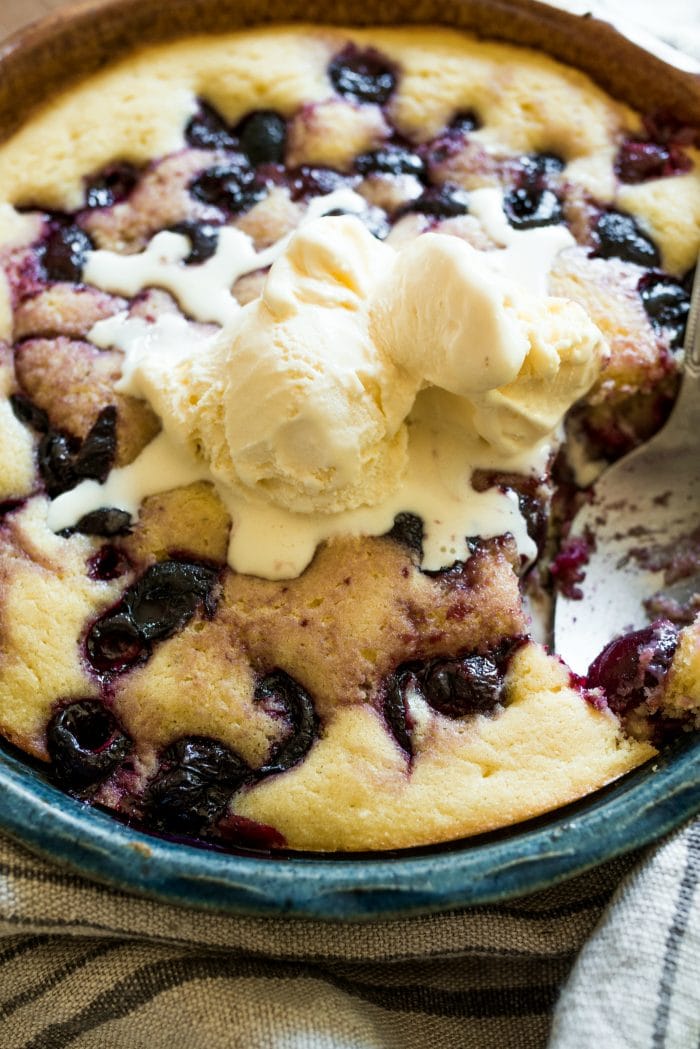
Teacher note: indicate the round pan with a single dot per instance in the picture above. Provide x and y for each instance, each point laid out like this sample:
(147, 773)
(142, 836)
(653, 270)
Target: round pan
(650, 802)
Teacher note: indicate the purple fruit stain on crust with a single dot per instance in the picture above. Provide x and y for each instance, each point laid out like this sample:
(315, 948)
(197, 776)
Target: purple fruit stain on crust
(639, 161)
(85, 743)
(362, 75)
(567, 568)
(63, 250)
(617, 235)
(8, 506)
(203, 238)
(530, 493)
(408, 530)
(439, 202)
(195, 781)
(249, 834)
(64, 461)
(207, 129)
(632, 669)
(153, 608)
(262, 136)
(661, 153)
(108, 521)
(667, 305)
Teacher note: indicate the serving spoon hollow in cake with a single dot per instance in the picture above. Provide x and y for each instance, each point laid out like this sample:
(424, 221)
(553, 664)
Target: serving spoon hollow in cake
(643, 517)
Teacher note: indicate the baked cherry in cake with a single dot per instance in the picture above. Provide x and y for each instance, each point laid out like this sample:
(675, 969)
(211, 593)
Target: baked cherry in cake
(374, 699)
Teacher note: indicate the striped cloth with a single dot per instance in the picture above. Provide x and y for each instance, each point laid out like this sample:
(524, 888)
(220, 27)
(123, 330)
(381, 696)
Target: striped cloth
(91, 968)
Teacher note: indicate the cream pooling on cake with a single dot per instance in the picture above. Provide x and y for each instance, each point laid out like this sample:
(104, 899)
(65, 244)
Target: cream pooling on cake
(364, 382)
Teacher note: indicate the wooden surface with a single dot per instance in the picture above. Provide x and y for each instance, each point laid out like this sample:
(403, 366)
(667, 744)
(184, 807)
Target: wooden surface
(16, 13)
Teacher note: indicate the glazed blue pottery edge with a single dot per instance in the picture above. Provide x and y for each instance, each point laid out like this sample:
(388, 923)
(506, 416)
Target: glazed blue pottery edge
(646, 804)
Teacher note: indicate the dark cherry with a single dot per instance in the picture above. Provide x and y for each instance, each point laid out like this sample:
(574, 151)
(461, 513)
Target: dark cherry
(8, 506)
(314, 182)
(457, 687)
(203, 238)
(207, 129)
(85, 743)
(282, 695)
(390, 160)
(568, 567)
(231, 187)
(442, 202)
(263, 136)
(408, 530)
(665, 127)
(617, 235)
(107, 521)
(639, 161)
(249, 834)
(195, 782)
(537, 168)
(631, 668)
(464, 121)
(157, 605)
(395, 706)
(528, 208)
(96, 455)
(55, 459)
(362, 76)
(667, 304)
(373, 218)
(28, 413)
(63, 251)
(111, 186)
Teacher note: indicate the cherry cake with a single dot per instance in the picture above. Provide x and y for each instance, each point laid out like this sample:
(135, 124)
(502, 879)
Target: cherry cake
(368, 702)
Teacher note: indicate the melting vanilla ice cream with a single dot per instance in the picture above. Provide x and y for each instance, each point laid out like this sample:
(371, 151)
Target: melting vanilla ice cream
(363, 382)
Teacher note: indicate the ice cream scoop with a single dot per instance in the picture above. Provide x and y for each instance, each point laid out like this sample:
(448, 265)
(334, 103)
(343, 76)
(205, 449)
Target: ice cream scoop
(363, 382)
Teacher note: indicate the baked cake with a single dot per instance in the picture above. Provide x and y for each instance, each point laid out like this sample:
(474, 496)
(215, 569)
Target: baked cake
(311, 340)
